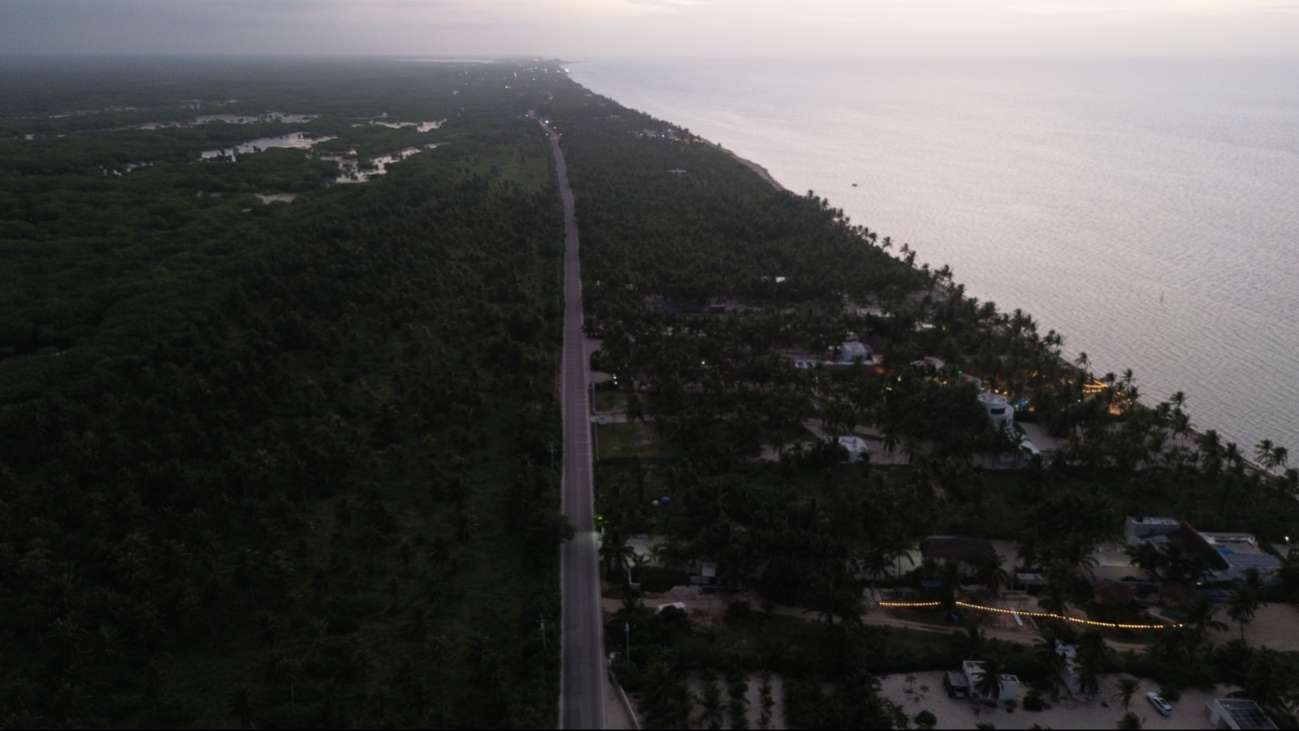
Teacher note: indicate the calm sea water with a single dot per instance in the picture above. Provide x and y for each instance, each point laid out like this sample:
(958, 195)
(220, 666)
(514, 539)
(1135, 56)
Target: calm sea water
(1146, 210)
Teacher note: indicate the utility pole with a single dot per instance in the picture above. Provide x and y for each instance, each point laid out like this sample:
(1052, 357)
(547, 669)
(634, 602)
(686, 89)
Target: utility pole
(596, 427)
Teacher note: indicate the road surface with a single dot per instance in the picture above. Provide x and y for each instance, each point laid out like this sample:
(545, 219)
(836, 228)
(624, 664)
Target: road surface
(582, 681)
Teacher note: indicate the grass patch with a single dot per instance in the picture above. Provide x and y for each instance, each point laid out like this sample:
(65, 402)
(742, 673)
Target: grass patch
(629, 440)
(609, 400)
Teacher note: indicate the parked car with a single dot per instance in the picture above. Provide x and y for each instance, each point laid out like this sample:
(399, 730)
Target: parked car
(1164, 707)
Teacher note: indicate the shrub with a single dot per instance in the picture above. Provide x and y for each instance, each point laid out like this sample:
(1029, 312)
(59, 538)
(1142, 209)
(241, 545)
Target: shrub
(739, 612)
(926, 719)
(1170, 692)
(1033, 702)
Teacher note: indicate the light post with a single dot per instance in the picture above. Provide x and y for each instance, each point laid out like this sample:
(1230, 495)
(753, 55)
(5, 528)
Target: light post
(542, 621)
(626, 628)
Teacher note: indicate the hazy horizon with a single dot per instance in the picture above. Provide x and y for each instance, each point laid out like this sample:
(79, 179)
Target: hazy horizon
(601, 29)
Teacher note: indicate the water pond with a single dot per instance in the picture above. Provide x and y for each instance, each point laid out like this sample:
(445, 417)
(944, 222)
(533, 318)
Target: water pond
(293, 141)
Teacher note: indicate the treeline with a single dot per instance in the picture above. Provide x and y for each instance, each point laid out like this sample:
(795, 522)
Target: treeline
(705, 284)
(293, 470)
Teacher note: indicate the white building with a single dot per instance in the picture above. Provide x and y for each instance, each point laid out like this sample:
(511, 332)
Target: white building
(856, 447)
(1069, 669)
(968, 680)
(1141, 527)
(1000, 412)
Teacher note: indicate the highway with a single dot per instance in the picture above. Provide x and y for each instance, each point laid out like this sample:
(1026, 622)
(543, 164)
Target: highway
(581, 699)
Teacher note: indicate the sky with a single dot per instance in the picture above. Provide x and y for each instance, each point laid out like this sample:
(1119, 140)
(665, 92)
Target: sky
(589, 29)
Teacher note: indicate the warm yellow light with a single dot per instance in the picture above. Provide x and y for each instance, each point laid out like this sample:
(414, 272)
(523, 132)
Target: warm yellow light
(981, 608)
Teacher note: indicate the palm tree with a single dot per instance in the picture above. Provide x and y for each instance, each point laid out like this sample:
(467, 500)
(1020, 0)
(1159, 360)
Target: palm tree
(988, 571)
(711, 699)
(283, 671)
(1125, 689)
(1091, 661)
(1046, 653)
(1242, 606)
(969, 643)
(1243, 603)
(1201, 618)
(1269, 455)
(615, 552)
(988, 684)
(242, 706)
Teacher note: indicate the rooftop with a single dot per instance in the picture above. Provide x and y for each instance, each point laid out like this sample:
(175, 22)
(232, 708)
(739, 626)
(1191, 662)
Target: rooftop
(1245, 713)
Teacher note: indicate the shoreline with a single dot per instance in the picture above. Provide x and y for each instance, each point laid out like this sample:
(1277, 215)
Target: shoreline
(755, 167)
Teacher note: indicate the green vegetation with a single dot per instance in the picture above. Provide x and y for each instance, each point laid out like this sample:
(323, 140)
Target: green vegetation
(291, 464)
(705, 285)
(279, 465)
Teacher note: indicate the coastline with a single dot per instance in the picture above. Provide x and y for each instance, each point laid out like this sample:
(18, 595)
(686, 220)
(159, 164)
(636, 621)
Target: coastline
(755, 167)
(1197, 433)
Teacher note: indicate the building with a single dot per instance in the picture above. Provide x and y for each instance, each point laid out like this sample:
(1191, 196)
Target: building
(856, 447)
(965, 684)
(1228, 555)
(1238, 713)
(1140, 528)
(853, 351)
(1000, 412)
(1068, 672)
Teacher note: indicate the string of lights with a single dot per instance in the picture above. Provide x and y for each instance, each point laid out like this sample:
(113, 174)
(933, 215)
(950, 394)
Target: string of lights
(1043, 615)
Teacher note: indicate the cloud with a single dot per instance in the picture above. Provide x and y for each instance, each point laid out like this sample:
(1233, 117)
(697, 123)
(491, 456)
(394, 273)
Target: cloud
(1151, 7)
(670, 3)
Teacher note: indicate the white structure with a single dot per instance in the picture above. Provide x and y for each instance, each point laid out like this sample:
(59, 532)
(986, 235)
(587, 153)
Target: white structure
(929, 361)
(1141, 527)
(1069, 670)
(854, 351)
(973, 671)
(1238, 713)
(1000, 412)
(856, 447)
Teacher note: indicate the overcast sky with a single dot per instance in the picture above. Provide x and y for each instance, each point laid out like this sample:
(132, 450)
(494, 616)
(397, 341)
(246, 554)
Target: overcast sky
(577, 29)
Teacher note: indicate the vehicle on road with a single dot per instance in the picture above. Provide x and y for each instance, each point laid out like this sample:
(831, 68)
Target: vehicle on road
(1164, 707)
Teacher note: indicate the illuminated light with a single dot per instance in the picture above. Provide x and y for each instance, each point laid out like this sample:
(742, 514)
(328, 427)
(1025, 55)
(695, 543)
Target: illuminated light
(1048, 615)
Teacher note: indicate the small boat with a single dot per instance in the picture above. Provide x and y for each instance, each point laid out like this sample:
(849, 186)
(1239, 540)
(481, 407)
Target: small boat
(854, 185)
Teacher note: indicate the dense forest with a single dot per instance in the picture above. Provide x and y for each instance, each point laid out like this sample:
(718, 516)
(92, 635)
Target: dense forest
(707, 287)
(284, 464)
(280, 442)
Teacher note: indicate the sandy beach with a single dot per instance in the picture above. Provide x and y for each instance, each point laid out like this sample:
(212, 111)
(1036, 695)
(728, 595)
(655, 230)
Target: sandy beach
(925, 692)
(755, 167)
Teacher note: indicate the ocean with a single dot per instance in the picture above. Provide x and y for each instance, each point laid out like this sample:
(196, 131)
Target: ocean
(1147, 210)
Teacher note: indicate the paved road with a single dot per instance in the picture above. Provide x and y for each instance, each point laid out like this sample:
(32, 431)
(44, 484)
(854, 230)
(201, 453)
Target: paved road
(581, 699)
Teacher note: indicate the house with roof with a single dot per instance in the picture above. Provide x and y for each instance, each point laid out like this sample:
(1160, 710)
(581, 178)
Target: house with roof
(1238, 713)
(1228, 555)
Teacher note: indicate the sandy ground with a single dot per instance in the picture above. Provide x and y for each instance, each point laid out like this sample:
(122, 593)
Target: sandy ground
(1101, 712)
(615, 713)
(754, 697)
(1275, 626)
